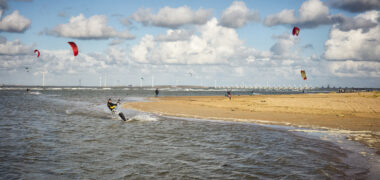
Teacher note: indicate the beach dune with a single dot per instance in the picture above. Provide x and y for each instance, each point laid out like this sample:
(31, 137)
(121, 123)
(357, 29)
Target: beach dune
(345, 111)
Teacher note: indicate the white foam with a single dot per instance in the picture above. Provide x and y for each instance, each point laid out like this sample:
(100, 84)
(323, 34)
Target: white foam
(35, 93)
(144, 117)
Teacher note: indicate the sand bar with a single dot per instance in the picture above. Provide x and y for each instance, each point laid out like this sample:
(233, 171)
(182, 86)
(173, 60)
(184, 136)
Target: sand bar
(345, 111)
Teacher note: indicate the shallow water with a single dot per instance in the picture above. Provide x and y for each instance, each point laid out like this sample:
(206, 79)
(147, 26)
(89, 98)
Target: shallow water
(70, 134)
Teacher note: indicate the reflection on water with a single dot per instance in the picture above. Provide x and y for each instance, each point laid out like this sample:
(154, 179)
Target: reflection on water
(71, 135)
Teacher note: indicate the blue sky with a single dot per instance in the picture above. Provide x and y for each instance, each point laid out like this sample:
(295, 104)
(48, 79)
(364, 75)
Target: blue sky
(230, 42)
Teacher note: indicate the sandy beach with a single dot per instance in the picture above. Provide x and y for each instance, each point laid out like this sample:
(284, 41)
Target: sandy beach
(356, 112)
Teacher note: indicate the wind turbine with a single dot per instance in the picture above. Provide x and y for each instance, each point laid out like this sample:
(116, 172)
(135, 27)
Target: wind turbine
(43, 78)
(141, 80)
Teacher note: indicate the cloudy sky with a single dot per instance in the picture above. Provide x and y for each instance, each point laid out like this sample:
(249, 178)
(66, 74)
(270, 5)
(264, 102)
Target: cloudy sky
(198, 42)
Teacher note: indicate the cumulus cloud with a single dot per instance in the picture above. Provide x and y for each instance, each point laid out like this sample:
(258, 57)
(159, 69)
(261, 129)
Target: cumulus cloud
(355, 5)
(174, 35)
(284, 44)
(172, 17)
(355, 69)
(94, 27)
(14, 22)
(355, 44)
(214, 45)
(238, 15)
(358, 22)
(116, 56)
(14, 48)
(312, 13)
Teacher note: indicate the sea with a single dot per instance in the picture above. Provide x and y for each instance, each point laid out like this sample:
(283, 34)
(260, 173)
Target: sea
(68, 133)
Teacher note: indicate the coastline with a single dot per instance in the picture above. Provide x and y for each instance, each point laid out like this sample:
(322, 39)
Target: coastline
(354, 112)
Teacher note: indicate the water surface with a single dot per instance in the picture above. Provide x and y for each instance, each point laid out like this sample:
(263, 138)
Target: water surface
(70, 134)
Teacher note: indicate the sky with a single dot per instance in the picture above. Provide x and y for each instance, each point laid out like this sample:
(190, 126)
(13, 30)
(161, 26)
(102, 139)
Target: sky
(198, 42)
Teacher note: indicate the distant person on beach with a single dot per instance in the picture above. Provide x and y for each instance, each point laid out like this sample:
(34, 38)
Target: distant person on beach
(157, 92)
(229, 94)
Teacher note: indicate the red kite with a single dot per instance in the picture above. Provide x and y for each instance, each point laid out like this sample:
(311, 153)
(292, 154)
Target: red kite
(38, 52)
(75, 48)
(296, 31)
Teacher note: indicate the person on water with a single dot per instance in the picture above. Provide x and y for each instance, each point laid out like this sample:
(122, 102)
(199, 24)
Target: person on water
(157, 92)
(113, 106)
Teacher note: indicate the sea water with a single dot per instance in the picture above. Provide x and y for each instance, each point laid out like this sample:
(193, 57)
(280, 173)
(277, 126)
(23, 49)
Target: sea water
(70, 134)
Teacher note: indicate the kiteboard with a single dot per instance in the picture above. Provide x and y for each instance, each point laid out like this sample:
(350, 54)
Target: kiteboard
(121, 115)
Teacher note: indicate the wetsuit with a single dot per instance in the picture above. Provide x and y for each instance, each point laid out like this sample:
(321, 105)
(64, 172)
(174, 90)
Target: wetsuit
(111, 106)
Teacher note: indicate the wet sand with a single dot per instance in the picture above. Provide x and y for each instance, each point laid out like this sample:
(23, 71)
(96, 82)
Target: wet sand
(356, 112)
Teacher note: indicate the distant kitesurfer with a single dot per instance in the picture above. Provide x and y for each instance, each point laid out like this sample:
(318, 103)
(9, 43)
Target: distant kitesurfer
(157, 92)
(113, 106)
(27, 89)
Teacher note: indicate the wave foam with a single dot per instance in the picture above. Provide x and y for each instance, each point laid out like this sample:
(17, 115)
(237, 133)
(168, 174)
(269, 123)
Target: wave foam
(144, 117)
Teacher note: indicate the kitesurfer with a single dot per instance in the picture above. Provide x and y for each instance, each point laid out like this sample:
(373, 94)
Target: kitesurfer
(157, 92)
(113, 106)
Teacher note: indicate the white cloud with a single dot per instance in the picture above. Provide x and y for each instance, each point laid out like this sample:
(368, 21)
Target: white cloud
(283, 46)
(355, 69)
(355, 44)
(286, 16)
(238, 15)
(116, 56)
(312, 13)
(95, 27)
(14, 22)
(14, 48)
(172, 17)
(214, 45)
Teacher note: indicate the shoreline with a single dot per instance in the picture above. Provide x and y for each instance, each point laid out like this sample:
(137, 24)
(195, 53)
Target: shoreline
(353, 112)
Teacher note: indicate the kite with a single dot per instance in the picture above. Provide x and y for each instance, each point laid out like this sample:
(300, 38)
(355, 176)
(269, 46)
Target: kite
(38, 52)
(303, 74)
(27, 69)
(74, 47)
(296, 31)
